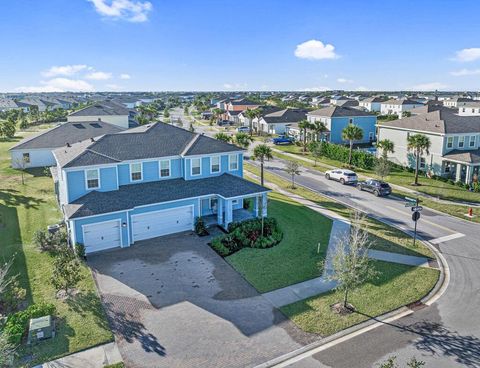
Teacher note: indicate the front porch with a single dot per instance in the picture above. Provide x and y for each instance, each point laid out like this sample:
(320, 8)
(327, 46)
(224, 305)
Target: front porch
(463, 172)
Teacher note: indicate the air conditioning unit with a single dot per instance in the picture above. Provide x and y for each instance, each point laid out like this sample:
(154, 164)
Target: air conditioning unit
(41, 328)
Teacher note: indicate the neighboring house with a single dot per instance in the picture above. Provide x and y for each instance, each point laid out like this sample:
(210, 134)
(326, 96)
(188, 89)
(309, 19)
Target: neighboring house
(347, 103)
(108, 111)
(372, 104)
(150, 181)
(320, 101)
(338, 100)
(276, 122)
(36, 151)
(457, 101)
(398, 106)
(264, 110)
(336, 118)
(454, 150)
(241, 104)
(7, 104)
(233, 116)
(471, 108)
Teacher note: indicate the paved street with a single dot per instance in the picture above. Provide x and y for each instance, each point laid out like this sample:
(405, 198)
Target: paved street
(173, 302)
(443, 335)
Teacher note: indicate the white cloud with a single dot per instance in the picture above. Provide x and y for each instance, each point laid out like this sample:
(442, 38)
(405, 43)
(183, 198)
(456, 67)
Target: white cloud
(429, 86)
(462, 72)
(125, 76)
(315, 50)
(235, 86)
(344, 80)
(466, 55)
(129, 10)
(98, 76)
(64, 70)
(59, 85)
(316, 89)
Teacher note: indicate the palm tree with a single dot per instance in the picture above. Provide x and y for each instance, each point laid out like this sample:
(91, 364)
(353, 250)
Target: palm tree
(319, 128)
(304, 125)
(243, 139)
(252, 114)
(223, 137)
(352, 133)
(419, 144)
(387, 146)
(216, 114)
(262, 152)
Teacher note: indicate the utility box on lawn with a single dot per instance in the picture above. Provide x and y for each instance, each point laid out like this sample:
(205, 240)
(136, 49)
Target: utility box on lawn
(41, 328)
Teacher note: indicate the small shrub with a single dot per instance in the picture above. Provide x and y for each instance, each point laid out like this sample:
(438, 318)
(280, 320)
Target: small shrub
(80, 250)
(12, 297)
(200, 227)
(41, 240)
(218, 247)
(47, 241)
(459, 184)
(17, 323)
(66, 270)
(451, 182)
(466, 186)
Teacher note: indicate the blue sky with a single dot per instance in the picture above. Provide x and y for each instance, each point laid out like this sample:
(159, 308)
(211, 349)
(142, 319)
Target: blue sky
(58, 45)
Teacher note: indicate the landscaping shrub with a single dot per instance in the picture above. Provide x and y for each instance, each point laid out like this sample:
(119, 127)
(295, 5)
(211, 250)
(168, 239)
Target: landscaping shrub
(17, 323)
(200, 227)
(80, 250)
(12, 297)
(337, 152)
(248, 234)
(47, 241)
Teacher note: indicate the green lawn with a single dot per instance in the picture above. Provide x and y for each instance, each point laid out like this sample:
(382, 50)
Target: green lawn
(295, 258)
(396, 285)
(429, 186)
(384, 237)
(23, 209)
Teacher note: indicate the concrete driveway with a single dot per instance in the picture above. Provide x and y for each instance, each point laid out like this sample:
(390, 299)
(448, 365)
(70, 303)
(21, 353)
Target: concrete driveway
(173, 302)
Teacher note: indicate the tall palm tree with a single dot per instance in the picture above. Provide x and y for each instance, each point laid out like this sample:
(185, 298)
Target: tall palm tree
(319, 127)
(252, 114)
(304, 125)
(387, 146)
(352, 133)
(262, 152)
(419, 144)
(216, 113)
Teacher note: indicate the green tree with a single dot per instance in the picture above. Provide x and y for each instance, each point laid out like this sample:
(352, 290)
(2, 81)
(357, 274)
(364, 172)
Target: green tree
(185, 110)
(7, 128)
(386, 146)
(292, 168)
(166, 113)
(223, 137)
(317, 151)
(318, 128)
(383, 167)
(419, 144)
(304, 125)
(243, 139)
(351, 133)
(191, 128)
(350, 264)
(252, 114)
(262, 152)
(66, 270)
(34, 113)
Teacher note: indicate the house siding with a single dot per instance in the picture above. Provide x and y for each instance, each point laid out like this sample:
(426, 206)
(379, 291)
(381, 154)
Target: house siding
(38, 158)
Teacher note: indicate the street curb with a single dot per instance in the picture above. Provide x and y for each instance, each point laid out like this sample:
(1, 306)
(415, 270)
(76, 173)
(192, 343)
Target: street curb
(435, 293)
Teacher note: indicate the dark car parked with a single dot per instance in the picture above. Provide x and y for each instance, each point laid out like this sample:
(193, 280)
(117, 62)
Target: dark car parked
(377, 187)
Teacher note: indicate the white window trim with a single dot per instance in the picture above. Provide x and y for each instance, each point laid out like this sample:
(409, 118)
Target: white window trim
(141, 171)
(86, 179)
(420, 166)
(448, 143)
(191, 166)
(219, 164)
(234, 201)
(473, 139)
(160, 169)
(230, 162)
(459, 140)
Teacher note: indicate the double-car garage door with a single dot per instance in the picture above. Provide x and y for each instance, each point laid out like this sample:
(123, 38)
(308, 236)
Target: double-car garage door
(108, 234)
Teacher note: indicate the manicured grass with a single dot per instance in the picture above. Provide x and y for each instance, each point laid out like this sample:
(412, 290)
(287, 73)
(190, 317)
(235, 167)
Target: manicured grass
(429, 186)
(396, 285)
(295, 258)
(25, 208)
(432, 187)
(383, 236)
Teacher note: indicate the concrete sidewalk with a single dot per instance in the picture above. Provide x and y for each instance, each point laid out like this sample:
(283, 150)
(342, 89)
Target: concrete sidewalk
(96, 357)
(398, 258)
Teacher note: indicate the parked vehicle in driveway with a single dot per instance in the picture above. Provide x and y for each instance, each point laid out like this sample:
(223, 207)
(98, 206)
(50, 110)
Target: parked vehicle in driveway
(377, 187)
(243, 129)
(344, 176)
(224, 122)
(282, 140)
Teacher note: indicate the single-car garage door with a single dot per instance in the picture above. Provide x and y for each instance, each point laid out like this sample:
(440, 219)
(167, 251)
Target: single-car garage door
(101, 236)
(153, 224)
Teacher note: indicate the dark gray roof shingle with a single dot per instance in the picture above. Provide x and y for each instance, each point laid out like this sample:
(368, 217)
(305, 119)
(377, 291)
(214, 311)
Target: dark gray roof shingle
(464, 156)
(285, 116)
(339, 111)
(102, 108)
(133, 195)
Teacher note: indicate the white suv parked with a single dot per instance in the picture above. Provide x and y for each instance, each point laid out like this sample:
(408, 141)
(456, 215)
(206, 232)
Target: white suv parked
(344, 176)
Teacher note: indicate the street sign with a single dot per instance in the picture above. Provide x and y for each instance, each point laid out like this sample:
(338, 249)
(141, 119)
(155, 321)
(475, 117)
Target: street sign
(415, 216)
(416, 208)
(410, 202)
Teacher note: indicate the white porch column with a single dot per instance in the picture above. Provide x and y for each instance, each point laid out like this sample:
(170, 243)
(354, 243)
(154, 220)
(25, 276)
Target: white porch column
(255, 206)
(228, 213)
(264, 205)
(458, 173)
(220, 211)
(468, 174)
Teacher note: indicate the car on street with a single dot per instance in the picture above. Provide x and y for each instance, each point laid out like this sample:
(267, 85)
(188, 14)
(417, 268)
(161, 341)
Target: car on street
(377, 187)
(243, 129)
(224, 122)
(282, 140)
(344, 176)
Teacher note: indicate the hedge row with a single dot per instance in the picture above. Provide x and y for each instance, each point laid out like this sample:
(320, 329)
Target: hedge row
(361, 159)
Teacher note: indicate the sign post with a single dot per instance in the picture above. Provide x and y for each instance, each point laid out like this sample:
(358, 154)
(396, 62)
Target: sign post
(416, 209)
(415, 218)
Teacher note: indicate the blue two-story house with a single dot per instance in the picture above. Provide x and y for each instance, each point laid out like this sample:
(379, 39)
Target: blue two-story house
(149, 181)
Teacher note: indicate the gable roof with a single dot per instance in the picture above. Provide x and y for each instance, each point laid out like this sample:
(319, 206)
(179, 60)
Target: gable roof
(464, 156)
(8, 103)
(143, 142)
(244, 101)
(285, 116)
(102, 109)
(401, 101)
(339, 111)
(67, 133)
(373, 99)
(441, 121)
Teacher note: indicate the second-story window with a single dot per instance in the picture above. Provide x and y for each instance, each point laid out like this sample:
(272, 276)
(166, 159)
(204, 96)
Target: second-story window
(233, 162)
(450, 142)
(461, 141)
(93, 181)
(136, 171)
(472, 140)
(195, 166)
(164, 168)
(215, 164)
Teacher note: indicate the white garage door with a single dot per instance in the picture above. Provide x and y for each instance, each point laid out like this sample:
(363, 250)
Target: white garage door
(153, 224)
(101, 236)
